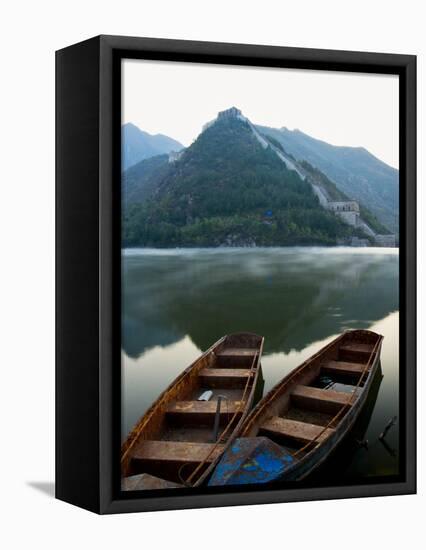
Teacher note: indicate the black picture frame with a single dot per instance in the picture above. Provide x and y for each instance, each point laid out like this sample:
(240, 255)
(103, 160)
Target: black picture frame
(88, 329)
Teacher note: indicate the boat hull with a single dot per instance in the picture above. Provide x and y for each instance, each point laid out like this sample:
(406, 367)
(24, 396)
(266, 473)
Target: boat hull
(296, 427)
(184, 432)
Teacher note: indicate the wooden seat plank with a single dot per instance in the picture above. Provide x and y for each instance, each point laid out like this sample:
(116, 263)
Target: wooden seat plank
(293, 429)
(237, 352)
(329, 396)
(224, 373)
(355, 352)
(225, 378)
(316, 399)
(343, 367)
(357, 348)
(202, 413)
(202, 407)
(235, 357)
(176, 451)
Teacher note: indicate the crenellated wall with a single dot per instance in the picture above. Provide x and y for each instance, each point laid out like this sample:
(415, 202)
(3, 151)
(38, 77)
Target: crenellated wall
(348, 211)
(343, 206)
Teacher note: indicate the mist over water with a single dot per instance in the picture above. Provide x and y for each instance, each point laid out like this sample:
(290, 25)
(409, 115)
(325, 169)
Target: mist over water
(176, 303)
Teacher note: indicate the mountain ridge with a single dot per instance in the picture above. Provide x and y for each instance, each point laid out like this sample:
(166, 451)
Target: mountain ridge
(354, 170)
(231, 187)
(138, 145)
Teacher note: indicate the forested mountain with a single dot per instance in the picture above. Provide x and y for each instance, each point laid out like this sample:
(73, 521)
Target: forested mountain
(227, 188)
(355, 171)
(138, 145)
(141, 180)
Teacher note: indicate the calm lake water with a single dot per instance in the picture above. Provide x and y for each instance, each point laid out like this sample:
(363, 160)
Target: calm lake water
(176, 303)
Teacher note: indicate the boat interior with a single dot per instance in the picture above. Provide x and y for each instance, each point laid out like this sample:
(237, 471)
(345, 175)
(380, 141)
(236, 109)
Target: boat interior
(182, 428)
(300, 414)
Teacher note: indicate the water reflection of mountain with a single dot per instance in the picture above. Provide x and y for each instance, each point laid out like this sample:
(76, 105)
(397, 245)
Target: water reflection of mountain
(291, 296)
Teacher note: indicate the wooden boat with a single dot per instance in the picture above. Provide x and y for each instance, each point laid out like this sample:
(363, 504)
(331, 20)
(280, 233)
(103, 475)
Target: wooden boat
(301, 421)
(185, 431)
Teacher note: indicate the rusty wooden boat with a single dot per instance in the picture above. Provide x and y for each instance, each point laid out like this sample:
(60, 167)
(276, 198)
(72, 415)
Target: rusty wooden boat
(301, 421)
(181, 437)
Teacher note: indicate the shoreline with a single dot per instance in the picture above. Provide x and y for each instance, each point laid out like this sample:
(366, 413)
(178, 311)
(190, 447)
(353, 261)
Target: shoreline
(134, 251)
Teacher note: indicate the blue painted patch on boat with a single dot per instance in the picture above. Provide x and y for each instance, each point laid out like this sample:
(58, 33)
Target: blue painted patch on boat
(251, 460)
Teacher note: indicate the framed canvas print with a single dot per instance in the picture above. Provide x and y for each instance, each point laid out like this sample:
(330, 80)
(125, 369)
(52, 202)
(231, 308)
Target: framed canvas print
(235, 274)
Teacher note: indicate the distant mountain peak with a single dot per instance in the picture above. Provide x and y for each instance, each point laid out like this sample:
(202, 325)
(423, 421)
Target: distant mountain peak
(133, 127)
(138, 145)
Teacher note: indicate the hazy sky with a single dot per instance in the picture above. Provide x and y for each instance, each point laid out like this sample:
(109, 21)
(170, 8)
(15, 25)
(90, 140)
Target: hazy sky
(176, 99)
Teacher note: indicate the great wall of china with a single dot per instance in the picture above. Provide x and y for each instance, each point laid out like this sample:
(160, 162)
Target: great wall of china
(348, 211)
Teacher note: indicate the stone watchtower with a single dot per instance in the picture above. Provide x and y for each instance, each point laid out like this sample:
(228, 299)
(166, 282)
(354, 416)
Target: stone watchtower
(233, 112)
(347, 210)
